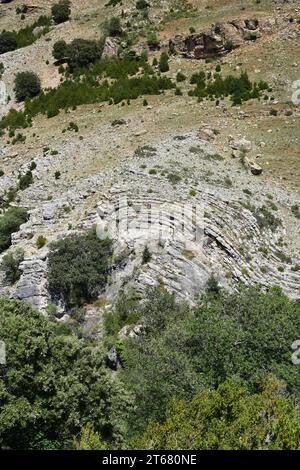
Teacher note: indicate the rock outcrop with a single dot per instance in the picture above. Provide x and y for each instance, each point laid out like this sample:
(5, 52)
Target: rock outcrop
(218, 40)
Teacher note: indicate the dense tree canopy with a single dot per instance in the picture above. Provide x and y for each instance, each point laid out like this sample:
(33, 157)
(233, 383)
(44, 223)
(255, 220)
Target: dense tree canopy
(227, 418)
(53, 383)
(248, 334)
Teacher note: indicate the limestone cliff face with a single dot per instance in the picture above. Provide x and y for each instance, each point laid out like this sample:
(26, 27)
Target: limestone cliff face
(190, 234)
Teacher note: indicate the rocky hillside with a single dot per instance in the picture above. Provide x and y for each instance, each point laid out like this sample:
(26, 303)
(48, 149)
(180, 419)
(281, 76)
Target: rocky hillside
(151, 161)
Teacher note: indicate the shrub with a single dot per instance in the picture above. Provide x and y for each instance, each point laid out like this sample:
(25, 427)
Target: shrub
(163, 62)
(27, 84)
(141, 4)
(41, 241)
(147, 255)
(10, 222)
(180, 77)
(78, 267)
(82, 52)
(61, 11)
(60, 50)
(10, 265)
(152, 40)
(26, 180)
(73, 127)
(8, 42)
(114, 27)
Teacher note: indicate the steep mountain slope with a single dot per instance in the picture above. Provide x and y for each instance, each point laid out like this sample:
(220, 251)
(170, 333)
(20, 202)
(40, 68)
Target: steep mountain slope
(171, 153)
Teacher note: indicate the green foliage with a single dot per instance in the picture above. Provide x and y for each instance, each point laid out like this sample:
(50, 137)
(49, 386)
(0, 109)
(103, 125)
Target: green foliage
(81, 52)
(228, 419)
(248, 333)
(8, 42)
(239, 89)
(163, 62)
(86, 88)
(25, 180)
(78, 267)
(152, 40)
(26, 84)
(180, 77)
(11, 40)
(264, 217)
(124, 313)
(114, 27)
(61, 11)
(89, 439)
(41, 241)
(147, 255)
(157, 363)
(73, 127)
(10, 265)
(54, 384)
(10, 222)
(60, 50)
(142, 4)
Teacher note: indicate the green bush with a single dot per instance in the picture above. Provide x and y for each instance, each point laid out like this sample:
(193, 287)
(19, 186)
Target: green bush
(180, 77)
(41, 241)
(27, 84)
(8, 42)
(10, 265)
(82, 52)
(141, 4)
(114, 27)
(152, 40)
(61, 11)
(78, 267)
(10, 222)
(60, 50)
(163, 62)
(85, 87)
(25, 181)
(147, 255)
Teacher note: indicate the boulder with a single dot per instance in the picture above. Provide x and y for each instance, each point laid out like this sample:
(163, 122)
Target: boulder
(206, 134)
(253, 167)
(242, 145)
(110, 48)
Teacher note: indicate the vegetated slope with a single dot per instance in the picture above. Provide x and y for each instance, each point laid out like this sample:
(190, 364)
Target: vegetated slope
(172, 115)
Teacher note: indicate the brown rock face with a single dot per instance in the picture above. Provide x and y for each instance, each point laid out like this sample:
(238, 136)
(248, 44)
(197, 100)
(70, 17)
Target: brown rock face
(218, 40)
